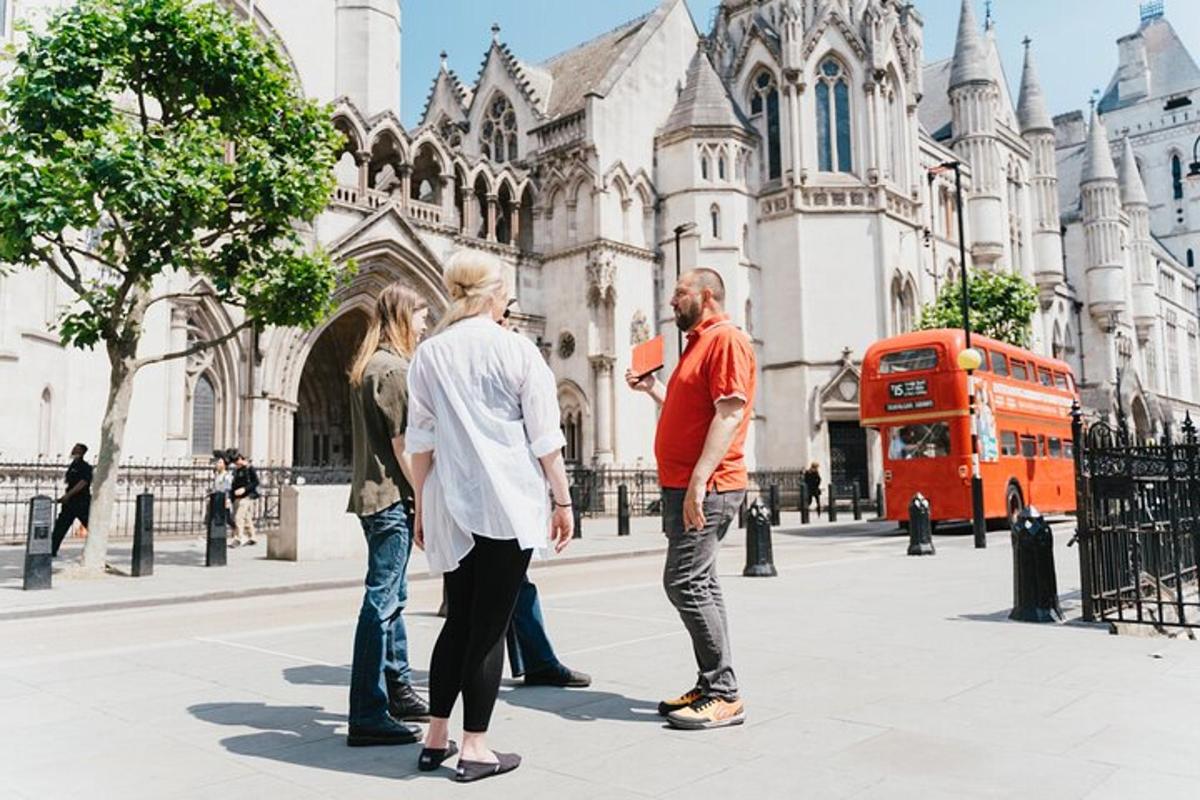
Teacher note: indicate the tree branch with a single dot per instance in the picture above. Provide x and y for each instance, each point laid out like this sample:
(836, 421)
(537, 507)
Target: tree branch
(67, 249)
(75, 282)
(198, 347)
(194, 296)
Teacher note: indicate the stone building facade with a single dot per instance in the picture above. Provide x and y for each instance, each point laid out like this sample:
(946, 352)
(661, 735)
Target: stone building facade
(790, 144)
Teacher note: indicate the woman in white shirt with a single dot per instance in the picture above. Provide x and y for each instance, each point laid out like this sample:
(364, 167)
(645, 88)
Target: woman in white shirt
(483, 432)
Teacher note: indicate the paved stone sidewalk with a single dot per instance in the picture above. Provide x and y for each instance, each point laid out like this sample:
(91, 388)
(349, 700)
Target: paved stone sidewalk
(867, 674)
(180, 575)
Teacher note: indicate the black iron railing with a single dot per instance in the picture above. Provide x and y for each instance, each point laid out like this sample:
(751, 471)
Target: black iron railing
(1138, 508)
(599, 486)
(179, 490)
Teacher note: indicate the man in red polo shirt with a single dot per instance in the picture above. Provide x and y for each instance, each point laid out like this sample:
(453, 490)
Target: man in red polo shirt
(701, 467)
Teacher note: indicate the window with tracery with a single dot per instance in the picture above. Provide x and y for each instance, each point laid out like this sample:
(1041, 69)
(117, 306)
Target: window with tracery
(498, 134)
(204, 417)
(764, 104)
(451, 134)
(1176, 177)
(834, 149)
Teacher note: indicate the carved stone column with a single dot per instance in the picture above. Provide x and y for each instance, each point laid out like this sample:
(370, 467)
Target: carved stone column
(363, 159)
(449, 210)
(405, 184)
(514, 234)
(177, 433)
(602, 369)
(492, 204)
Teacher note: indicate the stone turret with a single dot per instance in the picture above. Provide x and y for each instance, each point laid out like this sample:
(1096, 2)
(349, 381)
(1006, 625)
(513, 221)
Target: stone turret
(1102, 228)
(368, 54)
(1038, 131)
(974, 103)
(1141, 258)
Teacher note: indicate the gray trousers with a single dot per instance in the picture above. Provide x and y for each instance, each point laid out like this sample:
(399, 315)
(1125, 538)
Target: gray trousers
(690, 580)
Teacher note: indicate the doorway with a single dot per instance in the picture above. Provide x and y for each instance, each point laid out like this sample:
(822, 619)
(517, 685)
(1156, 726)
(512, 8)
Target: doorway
(848, 456)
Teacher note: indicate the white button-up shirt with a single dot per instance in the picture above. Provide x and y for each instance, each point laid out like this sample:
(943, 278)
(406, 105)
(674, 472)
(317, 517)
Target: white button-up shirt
(484, 401)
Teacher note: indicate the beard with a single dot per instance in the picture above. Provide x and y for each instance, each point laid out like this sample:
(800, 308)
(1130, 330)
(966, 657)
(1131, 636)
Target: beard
(686, 318)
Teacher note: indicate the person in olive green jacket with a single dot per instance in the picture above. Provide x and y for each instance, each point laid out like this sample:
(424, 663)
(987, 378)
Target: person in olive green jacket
(382, 698)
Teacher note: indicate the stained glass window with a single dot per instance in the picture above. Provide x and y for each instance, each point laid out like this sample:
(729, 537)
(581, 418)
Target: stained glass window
(835, 150)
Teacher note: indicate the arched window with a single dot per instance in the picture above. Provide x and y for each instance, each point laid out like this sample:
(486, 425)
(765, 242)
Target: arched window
(834, 150)
(498, 134)
(1176, 177)
(721, 167)
(204, 416)
(704, 167)
(1191, 257)
(764, 104)
(714, 215)
(45, 421)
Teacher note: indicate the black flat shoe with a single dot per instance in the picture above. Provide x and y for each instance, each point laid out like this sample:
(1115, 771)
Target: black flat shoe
(560, 676)
(469, 771)
(388, 733)
(432, 757)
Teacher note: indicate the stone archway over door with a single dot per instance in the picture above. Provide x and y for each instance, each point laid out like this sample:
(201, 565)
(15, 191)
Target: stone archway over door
(322, 421)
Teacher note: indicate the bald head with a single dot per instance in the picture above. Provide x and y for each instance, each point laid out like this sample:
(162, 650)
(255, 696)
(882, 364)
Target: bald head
(703, 278)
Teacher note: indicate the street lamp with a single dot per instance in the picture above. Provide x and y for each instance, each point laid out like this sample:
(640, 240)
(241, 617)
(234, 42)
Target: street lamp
(969, 363)
(679, 231)
(1194, 167)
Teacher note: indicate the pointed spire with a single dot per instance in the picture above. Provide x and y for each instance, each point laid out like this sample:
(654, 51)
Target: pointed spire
(1031, 108)
(445, 61)
(703, 102)
(1097, 158)
(970, 64)
(1133, 191)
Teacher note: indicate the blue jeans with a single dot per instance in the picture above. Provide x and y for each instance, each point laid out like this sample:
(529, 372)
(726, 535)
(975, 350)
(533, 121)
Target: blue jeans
(529, 649)
(380, 641)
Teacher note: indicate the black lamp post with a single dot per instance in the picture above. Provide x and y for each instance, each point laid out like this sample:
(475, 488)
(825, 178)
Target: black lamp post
(679, 231)
(1194, 167)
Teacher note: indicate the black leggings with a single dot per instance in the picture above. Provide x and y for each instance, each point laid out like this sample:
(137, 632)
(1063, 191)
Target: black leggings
(469, 655)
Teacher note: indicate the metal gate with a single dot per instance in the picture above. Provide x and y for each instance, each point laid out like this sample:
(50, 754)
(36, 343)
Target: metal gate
(1138, 509)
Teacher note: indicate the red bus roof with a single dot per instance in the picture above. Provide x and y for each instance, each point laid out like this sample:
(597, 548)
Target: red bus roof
(955, 341)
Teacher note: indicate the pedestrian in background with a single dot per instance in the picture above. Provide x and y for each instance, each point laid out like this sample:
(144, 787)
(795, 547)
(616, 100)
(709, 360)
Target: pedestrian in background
(483, 431)
(699, 444)
(222, 484)
(76, 503)
(245, 492)
(381, 494)
(812, 481)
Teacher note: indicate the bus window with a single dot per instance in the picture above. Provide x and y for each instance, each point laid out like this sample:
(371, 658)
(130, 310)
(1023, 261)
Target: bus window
(1055, 447)
(1068, 449)
(1028, 447)
(920, 358)
(983, 359)
(1070, 382)
(1008, 443)
(1041, 446)
(1060, 381)
(907, 442)
(1044, 377)
(1000, 364)
(1018, 370)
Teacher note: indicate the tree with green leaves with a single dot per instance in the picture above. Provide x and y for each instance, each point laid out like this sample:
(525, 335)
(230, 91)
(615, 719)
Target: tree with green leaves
(1002, 306)
(147, 139)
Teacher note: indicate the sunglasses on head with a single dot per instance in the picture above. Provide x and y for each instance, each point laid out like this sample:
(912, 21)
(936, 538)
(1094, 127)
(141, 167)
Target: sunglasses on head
(508, 308)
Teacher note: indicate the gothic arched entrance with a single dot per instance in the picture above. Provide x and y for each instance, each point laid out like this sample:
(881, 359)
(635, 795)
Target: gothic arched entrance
(322, 421)
(1142, 430)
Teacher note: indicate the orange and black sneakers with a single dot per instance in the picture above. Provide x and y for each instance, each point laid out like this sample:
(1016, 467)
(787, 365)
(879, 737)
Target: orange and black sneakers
(668, 706)
(708, 712)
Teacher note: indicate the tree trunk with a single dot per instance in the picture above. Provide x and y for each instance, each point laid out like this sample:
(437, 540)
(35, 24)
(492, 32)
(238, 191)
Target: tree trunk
(108, 459)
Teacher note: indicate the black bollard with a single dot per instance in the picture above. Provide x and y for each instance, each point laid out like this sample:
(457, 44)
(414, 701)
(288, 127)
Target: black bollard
(760, 559)
(773, 497)
(832, 505)
(38, 571)
(854, 500)
(920, 530)
(214, 553)
(577, 511)
(879, 509)
(1035, 585)
(804, 501)
(622, 510)
(143, 536)
(742, 515)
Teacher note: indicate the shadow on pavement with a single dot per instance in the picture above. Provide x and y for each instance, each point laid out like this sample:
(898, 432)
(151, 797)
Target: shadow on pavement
(326, 675)
(308, 736)
(581, 705)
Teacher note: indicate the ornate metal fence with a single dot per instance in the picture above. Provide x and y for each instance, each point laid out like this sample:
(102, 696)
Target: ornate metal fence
(598, 488)
(1138, 524)
(179, 491)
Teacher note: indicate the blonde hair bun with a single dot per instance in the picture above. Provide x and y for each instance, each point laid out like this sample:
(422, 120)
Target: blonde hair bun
(472, 278)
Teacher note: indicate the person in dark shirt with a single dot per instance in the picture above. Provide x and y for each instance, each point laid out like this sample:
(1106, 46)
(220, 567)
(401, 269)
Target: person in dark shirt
(76, 502)
(812, 480)
(245, 492)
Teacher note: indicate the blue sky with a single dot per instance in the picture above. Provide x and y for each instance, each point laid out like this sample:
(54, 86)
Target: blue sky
(1074, 40)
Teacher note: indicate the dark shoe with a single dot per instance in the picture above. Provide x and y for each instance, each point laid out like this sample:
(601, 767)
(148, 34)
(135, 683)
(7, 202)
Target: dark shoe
(252, 542)
(468, 771)
(432, 757)
(405, 704)
(683, 701)
(558, 676)
(386, 733)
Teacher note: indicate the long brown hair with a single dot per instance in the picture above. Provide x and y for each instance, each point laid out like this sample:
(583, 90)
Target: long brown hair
(391, 323)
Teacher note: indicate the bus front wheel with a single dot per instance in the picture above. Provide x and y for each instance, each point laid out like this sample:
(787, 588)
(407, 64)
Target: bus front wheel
(1014, 501)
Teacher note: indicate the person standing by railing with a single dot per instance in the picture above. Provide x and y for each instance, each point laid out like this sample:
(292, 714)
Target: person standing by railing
(812, 482)
(381, 494)
(76, 503)
(222, 484)
(245, 492)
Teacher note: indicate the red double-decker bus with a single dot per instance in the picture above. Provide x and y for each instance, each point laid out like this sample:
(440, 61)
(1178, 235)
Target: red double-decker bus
(916, 395)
